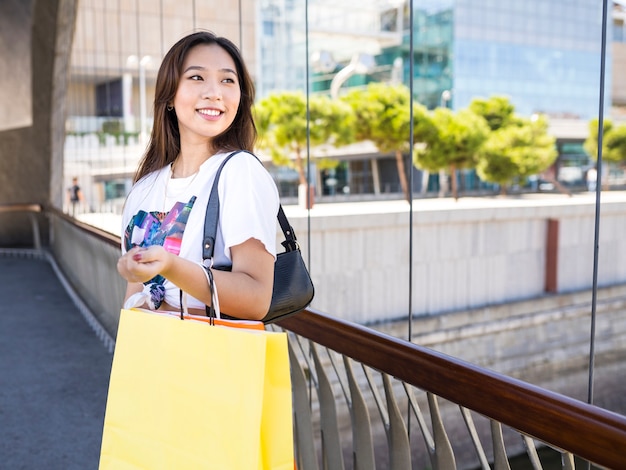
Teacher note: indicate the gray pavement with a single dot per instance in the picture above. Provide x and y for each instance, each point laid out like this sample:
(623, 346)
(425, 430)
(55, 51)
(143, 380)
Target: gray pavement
(54, 373)
(113, 223)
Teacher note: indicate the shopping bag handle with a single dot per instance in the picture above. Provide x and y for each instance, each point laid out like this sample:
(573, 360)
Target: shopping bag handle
(213, 310)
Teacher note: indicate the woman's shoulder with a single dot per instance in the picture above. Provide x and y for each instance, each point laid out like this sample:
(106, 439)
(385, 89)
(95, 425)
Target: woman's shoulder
(246, 172)
(242, 160)
(241, 157)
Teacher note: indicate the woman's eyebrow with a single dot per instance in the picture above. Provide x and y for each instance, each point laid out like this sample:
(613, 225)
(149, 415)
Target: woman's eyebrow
(193, 67)
(199, 67)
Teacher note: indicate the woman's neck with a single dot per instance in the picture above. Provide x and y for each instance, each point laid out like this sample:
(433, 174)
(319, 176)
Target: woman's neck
(189, 160)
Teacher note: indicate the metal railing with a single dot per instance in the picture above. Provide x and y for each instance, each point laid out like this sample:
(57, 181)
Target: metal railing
(405, 370)
(364, 399)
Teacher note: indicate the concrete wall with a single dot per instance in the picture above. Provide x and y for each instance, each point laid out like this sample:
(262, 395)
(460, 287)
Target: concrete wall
(15, 92)
(466, 254)
(540, 340)
(28, 165)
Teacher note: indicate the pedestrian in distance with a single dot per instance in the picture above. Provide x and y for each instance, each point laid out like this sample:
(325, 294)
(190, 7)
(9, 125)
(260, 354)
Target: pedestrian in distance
(75, 196)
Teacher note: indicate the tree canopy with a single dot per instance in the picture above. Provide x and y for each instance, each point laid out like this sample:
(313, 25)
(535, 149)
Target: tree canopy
(383, 115)
(518, 150)
(613, 141)
(455, 143)
(498, 111)
(281, 120)
(487, 136)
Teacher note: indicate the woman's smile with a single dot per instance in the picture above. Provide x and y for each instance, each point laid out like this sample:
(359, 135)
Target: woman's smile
(210, 113)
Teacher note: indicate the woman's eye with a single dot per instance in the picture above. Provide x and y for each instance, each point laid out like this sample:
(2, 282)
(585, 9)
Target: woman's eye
(228, 80)
(196, 77)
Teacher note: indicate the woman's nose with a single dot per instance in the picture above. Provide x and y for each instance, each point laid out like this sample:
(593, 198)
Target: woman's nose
(212, 91)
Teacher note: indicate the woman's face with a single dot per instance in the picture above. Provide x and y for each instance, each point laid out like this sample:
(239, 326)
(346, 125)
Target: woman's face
(208, 94)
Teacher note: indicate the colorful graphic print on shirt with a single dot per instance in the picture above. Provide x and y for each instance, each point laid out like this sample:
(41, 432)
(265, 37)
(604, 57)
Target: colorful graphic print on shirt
(158, 228)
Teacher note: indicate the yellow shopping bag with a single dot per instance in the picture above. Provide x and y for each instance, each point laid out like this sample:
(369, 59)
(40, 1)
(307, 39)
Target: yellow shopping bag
(185, 394)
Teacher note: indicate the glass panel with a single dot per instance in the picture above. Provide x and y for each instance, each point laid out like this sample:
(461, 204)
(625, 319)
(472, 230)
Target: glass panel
(544, 58)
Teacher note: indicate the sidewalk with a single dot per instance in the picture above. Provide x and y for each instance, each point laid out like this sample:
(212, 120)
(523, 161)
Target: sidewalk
(112, 223)
(54, 373)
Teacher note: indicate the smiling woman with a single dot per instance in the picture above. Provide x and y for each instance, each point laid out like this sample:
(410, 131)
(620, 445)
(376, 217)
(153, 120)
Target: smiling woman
(203, 116)
(202, 112)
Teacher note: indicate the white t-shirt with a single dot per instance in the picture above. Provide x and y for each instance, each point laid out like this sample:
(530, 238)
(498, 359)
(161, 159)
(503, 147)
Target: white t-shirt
(161, 210)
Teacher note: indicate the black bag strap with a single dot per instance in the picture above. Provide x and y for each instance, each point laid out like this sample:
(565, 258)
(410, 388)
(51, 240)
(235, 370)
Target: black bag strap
(213, 211)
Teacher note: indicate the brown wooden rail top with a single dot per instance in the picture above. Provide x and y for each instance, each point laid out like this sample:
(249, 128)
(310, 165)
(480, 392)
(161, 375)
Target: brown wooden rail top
(588, 431)
(10, 207)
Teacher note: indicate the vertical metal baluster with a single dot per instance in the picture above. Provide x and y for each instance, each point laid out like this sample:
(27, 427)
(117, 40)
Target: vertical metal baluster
(426, 434)
(500, 461)
(567, 461)
(443, 449)
(397, 435)
(331, 443)
(306, 457)
(480, 450)
(531, 450)
(362, 442)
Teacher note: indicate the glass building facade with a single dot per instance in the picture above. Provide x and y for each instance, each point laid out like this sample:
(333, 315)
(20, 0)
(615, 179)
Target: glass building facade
(544, 55)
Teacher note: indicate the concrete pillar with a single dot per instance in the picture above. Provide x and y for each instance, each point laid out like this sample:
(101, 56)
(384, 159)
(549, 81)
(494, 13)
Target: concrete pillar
(31, 150)
(552, 256)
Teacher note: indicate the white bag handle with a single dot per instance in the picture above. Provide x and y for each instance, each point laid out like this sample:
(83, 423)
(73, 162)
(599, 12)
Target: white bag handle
(215, 304)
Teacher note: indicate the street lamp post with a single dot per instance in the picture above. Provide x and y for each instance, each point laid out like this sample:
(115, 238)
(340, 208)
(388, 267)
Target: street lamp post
(127, 112)
(143, 115)
(360, 64)
(446, 95)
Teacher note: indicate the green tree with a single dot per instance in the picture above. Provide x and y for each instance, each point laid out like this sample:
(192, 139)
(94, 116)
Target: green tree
(281, 120)
(518, 150)
(616, 145)
(455, 143)
(613, 141)
(383, 116)
(498, 111)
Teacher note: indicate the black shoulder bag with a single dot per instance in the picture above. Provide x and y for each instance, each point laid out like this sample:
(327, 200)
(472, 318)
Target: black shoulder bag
(293, 288)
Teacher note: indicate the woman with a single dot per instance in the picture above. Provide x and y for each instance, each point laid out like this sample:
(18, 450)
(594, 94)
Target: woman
(202, 112)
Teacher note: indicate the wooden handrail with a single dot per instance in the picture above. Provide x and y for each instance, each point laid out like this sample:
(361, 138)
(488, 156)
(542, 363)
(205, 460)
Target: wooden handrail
(10, 207)
(588, 431)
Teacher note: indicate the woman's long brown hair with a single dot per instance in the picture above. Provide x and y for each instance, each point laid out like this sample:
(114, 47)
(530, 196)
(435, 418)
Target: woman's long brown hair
(164, 144)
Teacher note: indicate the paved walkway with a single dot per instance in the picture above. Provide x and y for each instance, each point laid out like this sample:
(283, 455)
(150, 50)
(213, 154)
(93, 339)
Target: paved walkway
(112, 223)
(54, 373)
